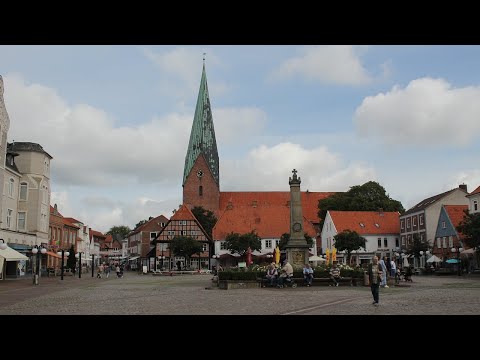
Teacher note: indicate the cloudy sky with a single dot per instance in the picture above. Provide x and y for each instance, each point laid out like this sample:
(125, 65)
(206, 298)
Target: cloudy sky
(117, 120)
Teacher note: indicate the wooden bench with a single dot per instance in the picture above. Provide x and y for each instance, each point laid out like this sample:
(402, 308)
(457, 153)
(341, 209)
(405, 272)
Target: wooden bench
(316, 281)
(325, 281)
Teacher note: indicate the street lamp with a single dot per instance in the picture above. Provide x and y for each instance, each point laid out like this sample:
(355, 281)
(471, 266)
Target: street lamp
(93, 263)
(79, 257)
(458, 250)
(425, 258)
(63, 253)
(3, 244)
(37, 250)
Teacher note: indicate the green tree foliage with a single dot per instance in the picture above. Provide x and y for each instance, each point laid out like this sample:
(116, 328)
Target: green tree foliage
(286, 236)
(185, 246)
(206, 218)
(71, 260)
(417, 245)
(470, 228)
(239, 244)
(119, 232)
(349, 241)
(370, 196)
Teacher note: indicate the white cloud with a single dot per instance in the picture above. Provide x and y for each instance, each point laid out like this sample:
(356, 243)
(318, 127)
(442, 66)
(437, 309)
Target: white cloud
(471, 178)
(185, 63)
(90, 151)
(426, 112)
(268, 168)
(332, 64)
(232, 124)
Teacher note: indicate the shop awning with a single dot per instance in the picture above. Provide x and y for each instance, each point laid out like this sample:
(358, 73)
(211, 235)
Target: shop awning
(12, 255)
(133, 258)
(55, 255)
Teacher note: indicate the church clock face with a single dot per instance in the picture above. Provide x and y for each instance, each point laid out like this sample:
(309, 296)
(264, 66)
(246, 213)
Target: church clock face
(199, 173)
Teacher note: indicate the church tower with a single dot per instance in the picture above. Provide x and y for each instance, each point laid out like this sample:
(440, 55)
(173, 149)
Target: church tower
(201, 178)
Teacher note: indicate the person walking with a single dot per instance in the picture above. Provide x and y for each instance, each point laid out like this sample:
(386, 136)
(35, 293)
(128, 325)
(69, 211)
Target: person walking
(383, 268)
(375, 277)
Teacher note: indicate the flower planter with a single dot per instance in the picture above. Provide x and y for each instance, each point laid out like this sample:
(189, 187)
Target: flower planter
(238, 284)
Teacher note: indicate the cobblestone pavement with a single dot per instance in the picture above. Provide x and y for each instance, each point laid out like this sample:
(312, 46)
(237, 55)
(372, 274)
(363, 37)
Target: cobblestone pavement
(192, 295)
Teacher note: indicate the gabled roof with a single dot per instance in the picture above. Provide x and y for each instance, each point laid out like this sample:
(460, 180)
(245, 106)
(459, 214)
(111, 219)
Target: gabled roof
(96, 233)
(268, 221)
(66, 222)
(422, 205)
(455, 213)
(388, 221)
(476, 191)
(142, 227)
(183, 213)
(72, 220)
(309, 200)
(52, 211)
(202, 136)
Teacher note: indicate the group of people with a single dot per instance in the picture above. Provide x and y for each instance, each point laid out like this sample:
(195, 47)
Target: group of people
(105, 270)
(277, 277)
(274, 277)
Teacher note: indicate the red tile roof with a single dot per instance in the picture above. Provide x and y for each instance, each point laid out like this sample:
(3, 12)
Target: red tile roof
(275, 198)
(184, 213)
(72, 220)
(269, 221)
(455, 213)
(68, 223)
(476, 191)
(109, 239)
(388, 223)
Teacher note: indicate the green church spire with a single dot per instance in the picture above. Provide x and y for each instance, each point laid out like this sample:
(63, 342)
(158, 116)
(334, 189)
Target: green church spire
(202, 136)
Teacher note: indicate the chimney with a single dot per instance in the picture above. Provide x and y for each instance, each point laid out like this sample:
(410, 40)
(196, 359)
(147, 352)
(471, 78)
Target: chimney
(463, 187)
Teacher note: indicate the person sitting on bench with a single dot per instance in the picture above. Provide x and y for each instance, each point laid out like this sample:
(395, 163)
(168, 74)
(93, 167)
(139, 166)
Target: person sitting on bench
(272, 274)
(335, 274)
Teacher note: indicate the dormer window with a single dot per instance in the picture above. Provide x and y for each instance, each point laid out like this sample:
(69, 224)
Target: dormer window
(362, 225)
(377, 225)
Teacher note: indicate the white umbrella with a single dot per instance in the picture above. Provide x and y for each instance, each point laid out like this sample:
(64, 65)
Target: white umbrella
(316, 258)
(405, 261)
(434, 258)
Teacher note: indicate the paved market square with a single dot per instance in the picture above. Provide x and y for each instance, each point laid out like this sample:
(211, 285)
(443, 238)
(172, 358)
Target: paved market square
(137, 294)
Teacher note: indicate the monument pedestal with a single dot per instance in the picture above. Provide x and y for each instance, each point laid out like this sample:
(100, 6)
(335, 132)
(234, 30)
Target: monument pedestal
(297, 255)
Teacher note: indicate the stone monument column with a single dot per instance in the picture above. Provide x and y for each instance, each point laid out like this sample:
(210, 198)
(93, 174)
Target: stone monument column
(297, 248)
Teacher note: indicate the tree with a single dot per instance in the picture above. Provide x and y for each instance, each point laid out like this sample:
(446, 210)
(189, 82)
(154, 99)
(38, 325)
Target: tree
(470, 228)
(206, 218)
(370, 196)
(119, 232)
(286, 236)
(239, 244)
(185, 246)
(349, 241)
(417, 245)
(71, 260)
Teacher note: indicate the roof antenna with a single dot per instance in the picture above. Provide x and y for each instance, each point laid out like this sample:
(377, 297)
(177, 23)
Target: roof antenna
(204, 58)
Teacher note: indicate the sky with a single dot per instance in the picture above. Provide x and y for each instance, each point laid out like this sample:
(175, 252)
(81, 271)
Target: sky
(117, 120)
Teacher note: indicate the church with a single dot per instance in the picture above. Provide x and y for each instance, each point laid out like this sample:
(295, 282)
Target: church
(267, 213)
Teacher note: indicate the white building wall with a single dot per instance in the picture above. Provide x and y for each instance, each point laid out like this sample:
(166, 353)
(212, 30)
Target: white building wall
(471, 205)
